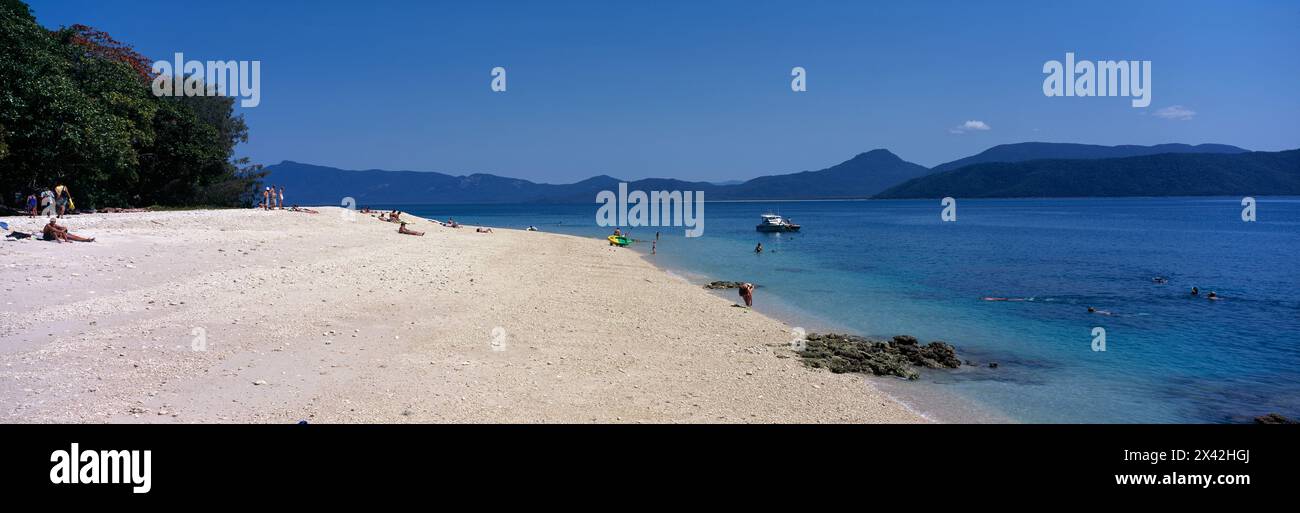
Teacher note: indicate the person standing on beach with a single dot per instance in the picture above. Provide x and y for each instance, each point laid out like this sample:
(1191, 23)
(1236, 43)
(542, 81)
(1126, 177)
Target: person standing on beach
(62, 197)
(266, 199)
(31, 204)
(747, 293)
(47, 202)
(281, 202)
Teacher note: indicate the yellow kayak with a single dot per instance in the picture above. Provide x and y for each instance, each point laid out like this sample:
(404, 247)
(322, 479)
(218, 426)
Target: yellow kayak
(615, 240)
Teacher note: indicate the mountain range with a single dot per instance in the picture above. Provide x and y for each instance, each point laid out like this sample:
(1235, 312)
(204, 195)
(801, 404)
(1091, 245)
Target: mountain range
(1167, 174)
(1041, 151)
(1012, 170)
(859, 177)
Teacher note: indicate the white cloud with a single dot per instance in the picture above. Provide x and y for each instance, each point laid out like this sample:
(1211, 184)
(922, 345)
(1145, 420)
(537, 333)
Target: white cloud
(1176, 112)
(971, 126)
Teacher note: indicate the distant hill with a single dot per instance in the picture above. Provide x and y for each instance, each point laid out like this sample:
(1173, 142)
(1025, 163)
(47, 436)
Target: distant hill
(1021, 152)
(1167, 174)
(860, 177)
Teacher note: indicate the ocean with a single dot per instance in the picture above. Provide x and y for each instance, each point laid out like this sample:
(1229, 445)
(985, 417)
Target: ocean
(883, 268)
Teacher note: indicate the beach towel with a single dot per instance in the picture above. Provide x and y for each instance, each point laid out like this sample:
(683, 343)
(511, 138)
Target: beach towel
(4, 226)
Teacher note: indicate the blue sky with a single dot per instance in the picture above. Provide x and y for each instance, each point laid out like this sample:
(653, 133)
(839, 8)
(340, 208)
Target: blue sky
(701, 90)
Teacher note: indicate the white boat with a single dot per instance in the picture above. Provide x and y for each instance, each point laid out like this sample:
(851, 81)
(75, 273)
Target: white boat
(776, 223)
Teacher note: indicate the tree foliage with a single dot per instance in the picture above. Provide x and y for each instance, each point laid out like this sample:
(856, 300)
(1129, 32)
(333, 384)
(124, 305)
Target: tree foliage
(76, 106)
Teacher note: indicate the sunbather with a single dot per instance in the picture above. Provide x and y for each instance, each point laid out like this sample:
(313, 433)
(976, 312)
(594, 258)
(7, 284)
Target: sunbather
(58, 233)
(402, 229)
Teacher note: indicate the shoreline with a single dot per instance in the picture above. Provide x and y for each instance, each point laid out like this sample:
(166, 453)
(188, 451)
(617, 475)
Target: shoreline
(924, 397)
(312, 317)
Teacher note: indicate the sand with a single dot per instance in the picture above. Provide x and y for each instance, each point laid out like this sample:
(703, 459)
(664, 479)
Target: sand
(249, 316)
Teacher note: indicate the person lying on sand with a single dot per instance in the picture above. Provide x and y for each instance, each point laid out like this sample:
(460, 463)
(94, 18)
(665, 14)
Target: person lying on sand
(395, 217)
(402, 229)
(451, 223)
(61, 234)
(483, 230)
(296, 208)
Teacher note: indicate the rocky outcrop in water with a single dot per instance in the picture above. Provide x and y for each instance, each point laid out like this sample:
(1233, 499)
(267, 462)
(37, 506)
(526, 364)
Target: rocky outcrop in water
(897, 357)
(1275, 418)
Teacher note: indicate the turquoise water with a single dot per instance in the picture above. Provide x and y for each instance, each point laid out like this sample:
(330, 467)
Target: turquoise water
(891, 267)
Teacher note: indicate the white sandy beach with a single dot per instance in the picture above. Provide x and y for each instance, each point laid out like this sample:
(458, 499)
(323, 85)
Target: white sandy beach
(320, 318)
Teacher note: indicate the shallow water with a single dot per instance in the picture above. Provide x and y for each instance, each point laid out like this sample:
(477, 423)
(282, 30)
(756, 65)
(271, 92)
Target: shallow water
(890, 267)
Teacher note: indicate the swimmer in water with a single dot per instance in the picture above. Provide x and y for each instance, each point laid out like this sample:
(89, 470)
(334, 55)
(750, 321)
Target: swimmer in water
(1096, 311)
(1196, 291)
(1212, 296)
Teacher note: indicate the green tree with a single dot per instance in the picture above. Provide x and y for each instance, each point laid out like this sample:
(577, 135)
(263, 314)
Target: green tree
(54, 130)
(77, 107)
